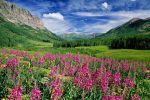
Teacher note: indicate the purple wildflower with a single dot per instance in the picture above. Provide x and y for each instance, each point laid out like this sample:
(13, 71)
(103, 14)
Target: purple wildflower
(129, 82)
(35, 94)
(104, 83)
(41, 61)
(16, 93)
(116, 79)
(57, 92)
(12, 63)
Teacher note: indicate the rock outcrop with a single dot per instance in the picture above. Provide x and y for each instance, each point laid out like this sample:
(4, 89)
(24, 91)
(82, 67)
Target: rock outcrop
(19, 15)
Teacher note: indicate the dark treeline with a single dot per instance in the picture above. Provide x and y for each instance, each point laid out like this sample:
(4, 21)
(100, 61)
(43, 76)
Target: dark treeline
(86, 42)
(133, 42)
(141, 41)
(69, 44)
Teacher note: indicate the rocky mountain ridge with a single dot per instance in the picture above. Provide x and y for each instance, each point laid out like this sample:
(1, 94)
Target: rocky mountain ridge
(14, 14)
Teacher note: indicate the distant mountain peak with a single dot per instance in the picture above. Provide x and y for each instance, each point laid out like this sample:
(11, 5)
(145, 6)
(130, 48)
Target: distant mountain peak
(15, 14)
(148, 18)
(134, 20)
(133, 26)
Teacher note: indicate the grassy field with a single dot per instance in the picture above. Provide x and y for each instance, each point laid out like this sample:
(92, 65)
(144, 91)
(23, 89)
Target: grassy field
(130, 54)
(96, 51)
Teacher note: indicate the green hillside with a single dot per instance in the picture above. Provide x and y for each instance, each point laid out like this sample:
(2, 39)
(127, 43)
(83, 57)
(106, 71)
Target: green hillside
(14, 34)
(132, 27)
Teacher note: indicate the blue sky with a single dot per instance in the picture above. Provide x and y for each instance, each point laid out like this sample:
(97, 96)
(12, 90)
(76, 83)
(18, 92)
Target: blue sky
(85, 16)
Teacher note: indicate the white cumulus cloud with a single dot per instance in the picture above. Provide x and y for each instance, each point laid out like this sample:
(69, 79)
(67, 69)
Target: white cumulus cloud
(56, 23)
(56, 26)
(106, 6)
(57, 15)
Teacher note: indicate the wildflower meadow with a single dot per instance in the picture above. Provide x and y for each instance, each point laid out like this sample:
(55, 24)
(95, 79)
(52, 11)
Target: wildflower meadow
(48, 76)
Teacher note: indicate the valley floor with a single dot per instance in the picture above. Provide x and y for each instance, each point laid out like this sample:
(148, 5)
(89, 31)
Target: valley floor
(96, 51)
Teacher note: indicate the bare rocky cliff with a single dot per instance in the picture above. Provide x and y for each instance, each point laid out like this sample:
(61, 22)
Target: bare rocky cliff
(19, 15)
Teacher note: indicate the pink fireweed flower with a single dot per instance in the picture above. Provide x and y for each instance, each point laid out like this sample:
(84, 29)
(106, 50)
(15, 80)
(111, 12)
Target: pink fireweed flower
(69, 55)
(108, 73)
(104, 81)
(72, 70)
(67, 67)
(111, 98)
(125, 67)
(135, 97)
(63, 57)
(49, 56)
(117, 68)
(96, 75)
(12, 63)
(116, 79)
(109, 62)
(35, 94)
(55, 83)
(57, 92)
(77, 58)
(102, 69)
(16, 93)
(77, 81)
(41, 61)
(84, 83)
(56, 89)
(87, 84)
(54, 70)
(84, 71)
(129, 82)
(83, 79)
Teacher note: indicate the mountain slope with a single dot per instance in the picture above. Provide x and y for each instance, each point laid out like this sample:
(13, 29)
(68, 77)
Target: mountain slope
(132, 27)
(19, 27)
(13, 34)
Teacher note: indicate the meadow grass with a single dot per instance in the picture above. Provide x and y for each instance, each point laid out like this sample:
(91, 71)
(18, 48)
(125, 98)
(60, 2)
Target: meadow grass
(119, 54)
(142, 55)
(96, 51)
